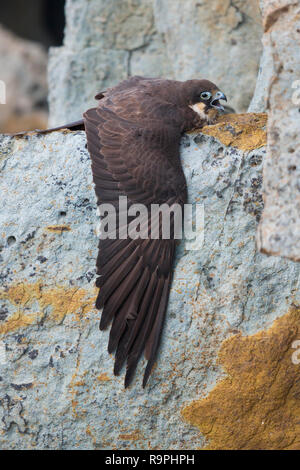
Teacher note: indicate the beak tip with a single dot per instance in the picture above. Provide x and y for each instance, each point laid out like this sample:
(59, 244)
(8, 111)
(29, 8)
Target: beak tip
(223, 96)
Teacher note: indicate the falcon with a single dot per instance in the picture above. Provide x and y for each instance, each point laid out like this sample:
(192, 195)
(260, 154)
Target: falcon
(133, 137)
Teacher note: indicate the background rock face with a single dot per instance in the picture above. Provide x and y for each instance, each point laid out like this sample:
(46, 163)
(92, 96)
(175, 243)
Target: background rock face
(23, 66)
(106, 42)
(57, 390)
(220, 39)
(279, 232)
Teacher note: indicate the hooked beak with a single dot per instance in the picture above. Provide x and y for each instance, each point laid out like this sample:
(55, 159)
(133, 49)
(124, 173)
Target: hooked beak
(215, 101)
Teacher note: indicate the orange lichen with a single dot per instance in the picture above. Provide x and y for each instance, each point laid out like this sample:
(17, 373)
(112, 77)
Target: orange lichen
(90, 434)
(58, 228)
(243, 131)
(103, 377)
(133, 436)
(61, 300)
(257, 405)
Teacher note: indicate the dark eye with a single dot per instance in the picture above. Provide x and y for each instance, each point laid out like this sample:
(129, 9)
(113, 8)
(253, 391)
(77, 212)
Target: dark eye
(205, 95)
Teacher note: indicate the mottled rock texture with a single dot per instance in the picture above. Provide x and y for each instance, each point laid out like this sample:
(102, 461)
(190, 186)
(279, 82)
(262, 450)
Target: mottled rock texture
(259, 102)
(279, 231)
(106, 42)
(23, 70)
(256, 406)
(57, 390)
(218, 39)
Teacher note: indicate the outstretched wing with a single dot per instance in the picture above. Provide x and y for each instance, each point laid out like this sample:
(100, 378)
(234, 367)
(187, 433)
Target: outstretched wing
(138, 159)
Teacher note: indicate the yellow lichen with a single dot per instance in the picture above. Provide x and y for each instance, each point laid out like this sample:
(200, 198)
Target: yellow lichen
(91, 434)
(103, 377)
(257, 405)
(133, 436)
(243, 131)
(61, 300)
(58, 228)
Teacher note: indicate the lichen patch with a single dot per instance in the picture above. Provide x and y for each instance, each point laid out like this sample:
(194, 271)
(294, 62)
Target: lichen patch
(60, 300)
(257, 405)
(58, 228)
(243, 131)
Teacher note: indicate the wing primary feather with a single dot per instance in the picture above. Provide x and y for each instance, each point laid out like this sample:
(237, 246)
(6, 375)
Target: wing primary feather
(107, 249)
(154, 339)
(120, 294)
(113, 281)
(130, 313)
(139, 343)
(128, 339)
(115, 262)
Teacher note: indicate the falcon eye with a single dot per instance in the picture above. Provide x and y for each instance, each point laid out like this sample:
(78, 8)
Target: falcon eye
(205, 95)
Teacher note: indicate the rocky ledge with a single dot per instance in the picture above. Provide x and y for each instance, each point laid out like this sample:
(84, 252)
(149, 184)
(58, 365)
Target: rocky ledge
(225, 376)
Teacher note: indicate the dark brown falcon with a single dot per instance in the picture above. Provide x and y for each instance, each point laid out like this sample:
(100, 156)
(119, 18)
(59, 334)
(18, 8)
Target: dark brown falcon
(133, 138)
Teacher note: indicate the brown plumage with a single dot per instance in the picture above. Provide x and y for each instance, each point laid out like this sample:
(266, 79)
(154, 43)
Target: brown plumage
(133, 139)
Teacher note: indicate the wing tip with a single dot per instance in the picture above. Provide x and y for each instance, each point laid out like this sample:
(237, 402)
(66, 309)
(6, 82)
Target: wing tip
(147, 373)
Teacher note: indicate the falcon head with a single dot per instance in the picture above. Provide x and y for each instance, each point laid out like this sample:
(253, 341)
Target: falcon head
(204, 98)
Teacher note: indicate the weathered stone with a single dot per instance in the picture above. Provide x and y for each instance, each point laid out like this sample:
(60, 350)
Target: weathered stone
(23, 66)
(279, 231)
(57, 390)
(108, 41)
(244, 131)
(218, 39)
(71, 93)
(262, 389)
(259, 100)
(105, 42)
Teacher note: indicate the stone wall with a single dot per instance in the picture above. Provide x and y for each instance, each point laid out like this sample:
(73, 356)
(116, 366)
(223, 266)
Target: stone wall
(106, 42)
(57, 390)
(279, 231)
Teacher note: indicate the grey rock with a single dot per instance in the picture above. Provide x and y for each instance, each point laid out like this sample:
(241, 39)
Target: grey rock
(279, 231)
(259, 102)
(108, 41)
(105, 42)
(71, 75)
(57, 390)
(218, 39)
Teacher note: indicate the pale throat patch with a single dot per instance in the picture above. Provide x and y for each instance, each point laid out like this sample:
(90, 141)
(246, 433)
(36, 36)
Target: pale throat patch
(208, 116)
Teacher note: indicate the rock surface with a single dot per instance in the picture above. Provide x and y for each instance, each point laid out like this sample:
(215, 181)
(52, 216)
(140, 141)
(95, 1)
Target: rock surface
(279, 231)
(57, 390)
(259, 102)
(23, 70)
(106, 42)
(262, 388)
(220, 39)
